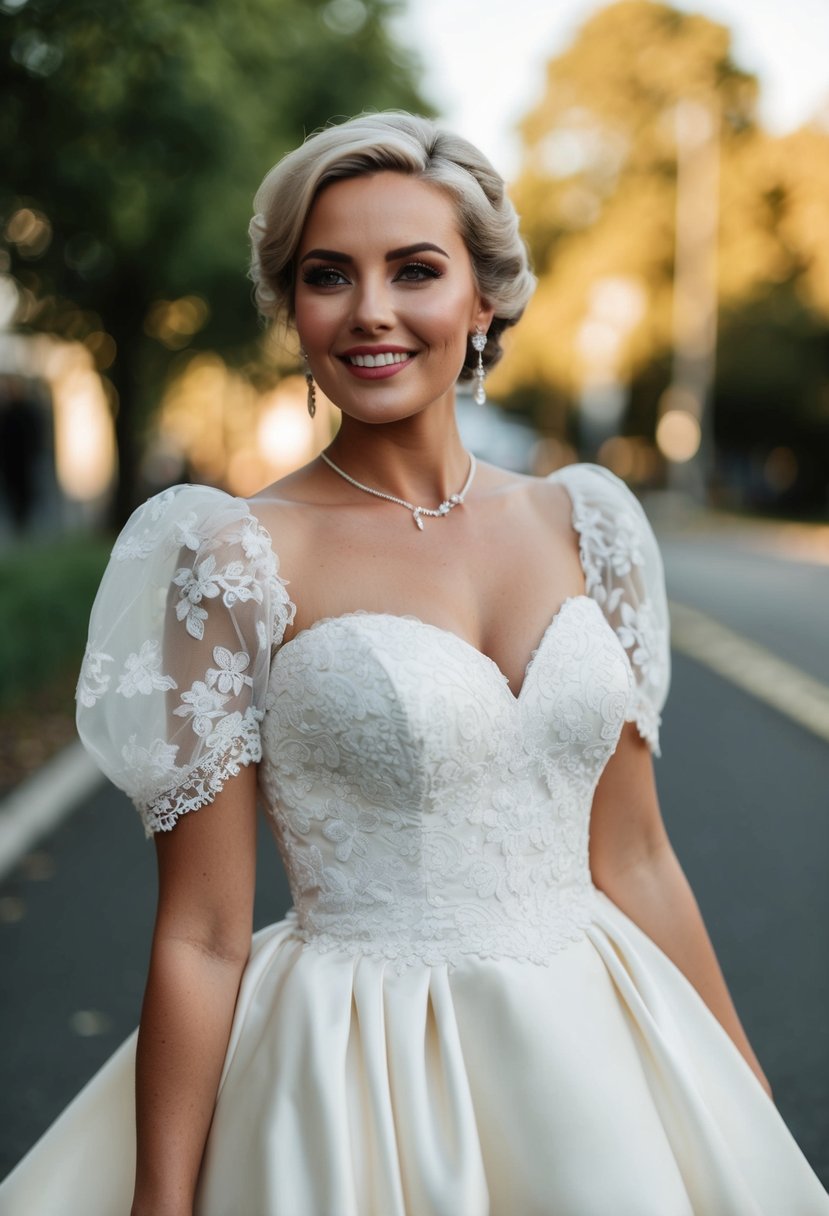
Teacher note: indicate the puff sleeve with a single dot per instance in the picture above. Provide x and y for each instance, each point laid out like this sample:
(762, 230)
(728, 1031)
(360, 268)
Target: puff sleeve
(623, 572)
(172, 685)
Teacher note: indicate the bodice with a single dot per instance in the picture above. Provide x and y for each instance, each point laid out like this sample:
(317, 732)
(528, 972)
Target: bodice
(422, 809)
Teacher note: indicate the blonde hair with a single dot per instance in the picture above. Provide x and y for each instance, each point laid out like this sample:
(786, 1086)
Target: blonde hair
(393, 140)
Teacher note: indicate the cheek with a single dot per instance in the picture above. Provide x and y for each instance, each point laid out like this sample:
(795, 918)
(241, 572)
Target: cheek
(445, 321)
(313, 317)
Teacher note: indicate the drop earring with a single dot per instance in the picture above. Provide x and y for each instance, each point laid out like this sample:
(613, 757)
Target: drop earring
(479, 344)
(312, 388)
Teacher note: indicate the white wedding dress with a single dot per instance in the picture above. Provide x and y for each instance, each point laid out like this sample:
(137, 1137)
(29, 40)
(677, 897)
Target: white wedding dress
(452, 1021)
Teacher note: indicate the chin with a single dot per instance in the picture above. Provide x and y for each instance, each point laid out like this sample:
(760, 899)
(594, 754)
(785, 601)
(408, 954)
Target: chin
(397, 408)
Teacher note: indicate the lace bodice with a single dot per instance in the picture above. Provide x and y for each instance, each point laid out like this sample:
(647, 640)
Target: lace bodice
(430, 814)
(423, 811)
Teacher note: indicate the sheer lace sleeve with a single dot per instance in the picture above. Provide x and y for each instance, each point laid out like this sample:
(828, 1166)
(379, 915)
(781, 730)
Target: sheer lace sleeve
(172, 685)
(623, 573)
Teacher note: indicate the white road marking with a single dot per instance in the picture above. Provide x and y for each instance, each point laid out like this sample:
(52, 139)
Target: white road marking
(751, 667)
(43, 801)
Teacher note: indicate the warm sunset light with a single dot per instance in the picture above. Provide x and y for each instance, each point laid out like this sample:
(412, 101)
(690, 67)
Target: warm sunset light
(84, 439)
(678, 435)
(285, 432)
(227, 432)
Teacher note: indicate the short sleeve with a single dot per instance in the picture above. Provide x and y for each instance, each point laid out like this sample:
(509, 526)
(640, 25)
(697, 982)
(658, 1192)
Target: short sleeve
(623, 572)
(172, 685)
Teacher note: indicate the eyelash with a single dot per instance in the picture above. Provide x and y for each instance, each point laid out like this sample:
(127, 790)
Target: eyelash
(430, 271)
(316, 276)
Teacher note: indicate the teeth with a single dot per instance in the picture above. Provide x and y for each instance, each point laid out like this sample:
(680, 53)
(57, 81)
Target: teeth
(381, 360)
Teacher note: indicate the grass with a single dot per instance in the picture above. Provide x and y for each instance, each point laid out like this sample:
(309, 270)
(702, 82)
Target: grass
(46, 593)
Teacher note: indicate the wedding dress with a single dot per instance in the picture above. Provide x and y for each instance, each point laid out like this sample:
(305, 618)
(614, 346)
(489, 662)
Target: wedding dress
(452, 1021)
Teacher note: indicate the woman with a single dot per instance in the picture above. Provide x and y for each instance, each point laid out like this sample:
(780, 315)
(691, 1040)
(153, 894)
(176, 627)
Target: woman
(472, 1009)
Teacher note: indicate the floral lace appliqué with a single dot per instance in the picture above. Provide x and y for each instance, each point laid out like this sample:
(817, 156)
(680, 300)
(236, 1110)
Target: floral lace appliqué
(426, 821)
(234, 744)
(171, 687)
(623, 573)
(93, 680)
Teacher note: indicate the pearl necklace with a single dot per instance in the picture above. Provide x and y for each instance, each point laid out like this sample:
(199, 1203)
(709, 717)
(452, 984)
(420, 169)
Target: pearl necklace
(448, 504)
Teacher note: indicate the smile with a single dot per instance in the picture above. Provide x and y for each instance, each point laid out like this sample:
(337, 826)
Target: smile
(379, 366)
(382, 359)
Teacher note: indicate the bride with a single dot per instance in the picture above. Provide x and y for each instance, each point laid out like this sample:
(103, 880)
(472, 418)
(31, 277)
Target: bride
(448, 673)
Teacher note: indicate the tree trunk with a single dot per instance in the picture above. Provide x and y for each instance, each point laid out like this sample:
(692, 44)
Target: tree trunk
(123, 320)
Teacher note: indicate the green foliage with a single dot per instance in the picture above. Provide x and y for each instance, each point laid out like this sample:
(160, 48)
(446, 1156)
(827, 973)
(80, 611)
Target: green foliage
(46, 594)
(153, 122)
(138, 130)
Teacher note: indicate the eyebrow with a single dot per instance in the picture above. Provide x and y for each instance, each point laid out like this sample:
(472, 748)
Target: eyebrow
(332, 255)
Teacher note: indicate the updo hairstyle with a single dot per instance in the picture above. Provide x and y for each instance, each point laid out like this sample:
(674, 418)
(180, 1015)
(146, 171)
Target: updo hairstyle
(403, 143)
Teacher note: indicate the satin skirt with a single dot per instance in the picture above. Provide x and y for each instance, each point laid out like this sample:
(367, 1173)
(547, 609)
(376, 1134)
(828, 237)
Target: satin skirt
(597, 1085)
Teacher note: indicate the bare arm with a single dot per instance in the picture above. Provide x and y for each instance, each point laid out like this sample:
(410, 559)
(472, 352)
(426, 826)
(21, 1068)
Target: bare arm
(201, 941)
(633, 863)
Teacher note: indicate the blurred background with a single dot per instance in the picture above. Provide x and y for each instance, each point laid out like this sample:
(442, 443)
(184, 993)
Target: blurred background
(671, 168)
(670, 163)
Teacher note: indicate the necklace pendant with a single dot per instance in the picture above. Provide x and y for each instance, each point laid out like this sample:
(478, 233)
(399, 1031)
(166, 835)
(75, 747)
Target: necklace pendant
(454, 500)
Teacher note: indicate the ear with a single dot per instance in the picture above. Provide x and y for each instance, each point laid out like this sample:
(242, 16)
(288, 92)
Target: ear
(483, 315)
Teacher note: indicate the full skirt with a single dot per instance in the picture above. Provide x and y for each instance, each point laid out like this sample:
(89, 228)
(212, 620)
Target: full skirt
(597, 1085)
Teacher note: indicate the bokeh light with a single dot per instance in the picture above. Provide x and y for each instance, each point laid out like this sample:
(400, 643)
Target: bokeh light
(678, 435)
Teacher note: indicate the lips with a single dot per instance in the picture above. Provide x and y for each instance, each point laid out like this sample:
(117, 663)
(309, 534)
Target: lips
(373, 363)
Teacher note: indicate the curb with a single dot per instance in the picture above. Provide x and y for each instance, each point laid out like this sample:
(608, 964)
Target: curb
(43, 801)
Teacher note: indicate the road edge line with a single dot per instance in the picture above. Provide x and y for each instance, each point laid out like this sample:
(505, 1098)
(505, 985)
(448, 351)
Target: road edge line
(37, 805)
(751, 667)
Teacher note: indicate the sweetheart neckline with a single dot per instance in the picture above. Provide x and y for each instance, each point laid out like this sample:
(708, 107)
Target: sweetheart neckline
(412, 619)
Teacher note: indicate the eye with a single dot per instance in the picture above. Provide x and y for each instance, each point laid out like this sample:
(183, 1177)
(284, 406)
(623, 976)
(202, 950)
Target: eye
(416, 272)
(324, 276)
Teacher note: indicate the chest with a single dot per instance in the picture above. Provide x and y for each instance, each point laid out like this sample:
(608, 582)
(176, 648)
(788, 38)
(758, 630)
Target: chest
(494, 579)
(393, 710)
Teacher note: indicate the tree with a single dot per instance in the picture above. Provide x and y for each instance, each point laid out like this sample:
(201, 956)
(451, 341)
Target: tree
(596, 190)
(597, 195)
(133, 135)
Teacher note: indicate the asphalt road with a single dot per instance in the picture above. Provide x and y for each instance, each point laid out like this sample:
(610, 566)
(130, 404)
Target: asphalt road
(744, 794)
(783, 605)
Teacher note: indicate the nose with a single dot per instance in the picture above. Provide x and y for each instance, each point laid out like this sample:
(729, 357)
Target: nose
(372, 309)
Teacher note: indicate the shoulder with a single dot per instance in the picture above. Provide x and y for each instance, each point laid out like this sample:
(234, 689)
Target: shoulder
(592, 483)
(605, 511)
(183, 516)
(576, 483)
(616, 539)
(186, 524)
(533, 498)
(589, 499)
(199, 543)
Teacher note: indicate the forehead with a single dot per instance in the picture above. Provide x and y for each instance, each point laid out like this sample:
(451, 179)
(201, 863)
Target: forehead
(388, 209)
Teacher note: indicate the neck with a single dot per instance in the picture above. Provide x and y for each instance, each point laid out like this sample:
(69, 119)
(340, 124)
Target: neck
(413, 459)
